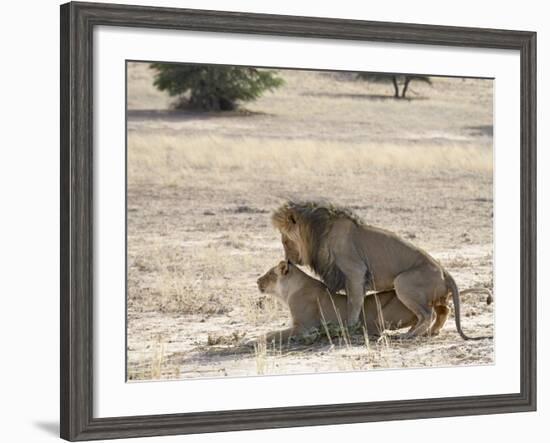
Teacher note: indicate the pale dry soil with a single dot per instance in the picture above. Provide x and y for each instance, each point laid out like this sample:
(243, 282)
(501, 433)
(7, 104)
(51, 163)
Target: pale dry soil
(201, 188)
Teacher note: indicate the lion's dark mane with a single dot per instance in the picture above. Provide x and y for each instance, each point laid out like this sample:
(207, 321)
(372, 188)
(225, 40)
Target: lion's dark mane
(318, 219)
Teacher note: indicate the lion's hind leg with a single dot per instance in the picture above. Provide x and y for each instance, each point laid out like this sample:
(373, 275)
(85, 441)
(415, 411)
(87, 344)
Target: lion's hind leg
(416, 289)
(442, 314)
(424, 318)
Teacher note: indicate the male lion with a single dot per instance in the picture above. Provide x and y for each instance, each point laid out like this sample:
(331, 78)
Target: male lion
(348, 254)
(311, 304)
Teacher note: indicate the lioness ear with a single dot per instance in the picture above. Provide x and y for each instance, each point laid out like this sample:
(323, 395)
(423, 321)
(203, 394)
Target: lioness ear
(283, 267)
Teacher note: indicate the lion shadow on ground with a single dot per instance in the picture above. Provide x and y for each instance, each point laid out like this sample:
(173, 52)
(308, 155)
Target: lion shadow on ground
(306, 345)
(222, 353)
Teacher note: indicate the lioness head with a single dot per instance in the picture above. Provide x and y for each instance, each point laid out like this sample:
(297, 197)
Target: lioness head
(267, 283)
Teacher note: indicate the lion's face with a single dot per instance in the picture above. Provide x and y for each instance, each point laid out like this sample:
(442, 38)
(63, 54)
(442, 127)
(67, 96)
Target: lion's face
(267, 283)
(294, 234)
(292, 252)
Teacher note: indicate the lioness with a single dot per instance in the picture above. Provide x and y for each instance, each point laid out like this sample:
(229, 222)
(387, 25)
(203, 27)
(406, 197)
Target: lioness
(311, 304)
(348, 254)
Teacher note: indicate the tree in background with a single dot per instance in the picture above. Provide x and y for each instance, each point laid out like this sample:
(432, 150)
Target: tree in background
(395, 80)
(213, 88)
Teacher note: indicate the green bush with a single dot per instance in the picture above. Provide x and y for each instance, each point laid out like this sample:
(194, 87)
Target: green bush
(213, 88)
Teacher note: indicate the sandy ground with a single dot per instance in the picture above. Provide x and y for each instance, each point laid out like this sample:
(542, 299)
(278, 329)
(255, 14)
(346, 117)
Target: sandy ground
(201, 188)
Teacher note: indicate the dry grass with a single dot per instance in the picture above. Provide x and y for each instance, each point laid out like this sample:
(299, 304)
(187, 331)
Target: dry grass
(176, 159)
(201, 187)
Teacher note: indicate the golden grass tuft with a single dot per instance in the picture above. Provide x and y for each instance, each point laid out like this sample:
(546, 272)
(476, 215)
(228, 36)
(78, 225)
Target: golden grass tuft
(169, 160)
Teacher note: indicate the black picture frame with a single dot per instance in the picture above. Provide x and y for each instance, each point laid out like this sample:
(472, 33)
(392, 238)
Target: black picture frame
(77, 23)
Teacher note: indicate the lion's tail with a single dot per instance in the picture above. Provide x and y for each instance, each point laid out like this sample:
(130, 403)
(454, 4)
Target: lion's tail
(451, 284)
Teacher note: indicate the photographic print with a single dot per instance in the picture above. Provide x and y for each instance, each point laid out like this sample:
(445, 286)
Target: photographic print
(286, 221)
